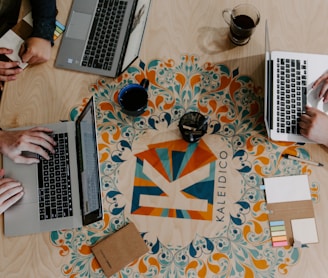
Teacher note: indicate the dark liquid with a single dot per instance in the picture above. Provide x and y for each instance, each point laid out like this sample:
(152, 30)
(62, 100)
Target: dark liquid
(242, 27)
(189, 121)
(134, 99)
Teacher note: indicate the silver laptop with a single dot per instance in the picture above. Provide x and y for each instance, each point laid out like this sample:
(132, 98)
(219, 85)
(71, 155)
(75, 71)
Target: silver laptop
(103, 37)
(289, 77)
(64, 192)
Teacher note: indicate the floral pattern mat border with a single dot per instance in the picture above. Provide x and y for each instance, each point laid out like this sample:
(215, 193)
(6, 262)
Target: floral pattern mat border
(235, 105)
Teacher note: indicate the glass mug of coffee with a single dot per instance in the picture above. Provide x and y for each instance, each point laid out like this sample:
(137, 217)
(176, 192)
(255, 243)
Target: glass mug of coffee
(133, 98)
(242, 21)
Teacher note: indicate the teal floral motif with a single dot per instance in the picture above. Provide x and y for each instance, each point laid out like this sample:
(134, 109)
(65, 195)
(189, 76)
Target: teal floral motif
(242, 248)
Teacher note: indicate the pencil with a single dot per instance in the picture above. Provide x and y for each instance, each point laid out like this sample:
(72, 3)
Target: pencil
(294, 157)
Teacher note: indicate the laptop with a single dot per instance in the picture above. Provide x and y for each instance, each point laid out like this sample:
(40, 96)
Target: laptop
(64, 192)
(289, 77)
(103, 37)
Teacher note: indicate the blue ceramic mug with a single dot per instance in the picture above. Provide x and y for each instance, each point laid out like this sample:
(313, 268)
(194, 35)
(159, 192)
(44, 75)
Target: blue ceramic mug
(133, 98)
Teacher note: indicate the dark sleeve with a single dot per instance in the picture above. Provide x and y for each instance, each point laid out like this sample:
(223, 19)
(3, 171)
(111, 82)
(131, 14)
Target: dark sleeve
(44, 19)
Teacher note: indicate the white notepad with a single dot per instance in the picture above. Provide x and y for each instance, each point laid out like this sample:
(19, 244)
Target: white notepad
(305, 230)
(287, 189)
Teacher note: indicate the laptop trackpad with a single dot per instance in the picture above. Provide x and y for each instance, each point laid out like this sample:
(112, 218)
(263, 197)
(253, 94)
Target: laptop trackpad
(22, 220)
(79, 26)
(28, 174)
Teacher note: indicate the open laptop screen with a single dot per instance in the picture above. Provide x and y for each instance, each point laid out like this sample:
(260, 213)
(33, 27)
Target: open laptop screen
(88, 165)
(137, 31)
(268, 100)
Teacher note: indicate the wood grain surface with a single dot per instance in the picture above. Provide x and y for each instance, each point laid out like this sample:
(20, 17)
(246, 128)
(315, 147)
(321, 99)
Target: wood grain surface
(43, 94)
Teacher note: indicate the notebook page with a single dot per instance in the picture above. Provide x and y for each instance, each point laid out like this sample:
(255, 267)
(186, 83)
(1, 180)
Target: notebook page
(287, 189)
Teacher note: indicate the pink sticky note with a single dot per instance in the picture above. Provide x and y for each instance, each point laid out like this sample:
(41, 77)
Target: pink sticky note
(280, 243)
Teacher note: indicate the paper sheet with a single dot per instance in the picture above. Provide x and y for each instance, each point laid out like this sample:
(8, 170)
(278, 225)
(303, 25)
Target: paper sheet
(287, 189)
(12, 41)
(304, 230)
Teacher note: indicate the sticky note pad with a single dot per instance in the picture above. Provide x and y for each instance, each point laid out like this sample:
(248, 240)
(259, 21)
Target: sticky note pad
(277, 223)
(277, 228)
(60, 28)
(278, 233)
(304, 230)
(279, 243)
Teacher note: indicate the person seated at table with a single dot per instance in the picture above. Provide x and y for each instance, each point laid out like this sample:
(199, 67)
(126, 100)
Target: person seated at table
(314, 123)
(37, 48)
(13, 144)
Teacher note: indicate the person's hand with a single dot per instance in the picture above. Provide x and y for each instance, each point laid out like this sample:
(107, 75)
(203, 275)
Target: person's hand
(322, 80)
(35, 51)
(35, 140)
(314, 125)
(10, 192)
(8, 70)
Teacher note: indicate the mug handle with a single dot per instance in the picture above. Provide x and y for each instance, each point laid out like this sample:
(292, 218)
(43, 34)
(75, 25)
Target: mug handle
(144, 83)
(226, 12)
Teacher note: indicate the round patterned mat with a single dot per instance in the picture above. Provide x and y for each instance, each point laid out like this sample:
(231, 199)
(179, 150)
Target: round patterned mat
(198, 206)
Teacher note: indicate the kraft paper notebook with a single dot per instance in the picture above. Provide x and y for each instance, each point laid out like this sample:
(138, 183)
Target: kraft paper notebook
(119, 249)
(291, 213)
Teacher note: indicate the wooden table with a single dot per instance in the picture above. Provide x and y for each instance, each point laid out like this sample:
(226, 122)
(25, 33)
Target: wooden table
(44, 94)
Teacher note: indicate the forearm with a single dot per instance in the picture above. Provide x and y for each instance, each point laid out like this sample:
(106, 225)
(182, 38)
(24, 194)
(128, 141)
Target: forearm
(44, 19)
(1, 140)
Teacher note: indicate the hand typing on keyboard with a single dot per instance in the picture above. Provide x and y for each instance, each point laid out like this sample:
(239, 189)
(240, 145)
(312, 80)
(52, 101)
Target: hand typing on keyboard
(35, 140)
(322, 80)
(314, 123)
(10, 192)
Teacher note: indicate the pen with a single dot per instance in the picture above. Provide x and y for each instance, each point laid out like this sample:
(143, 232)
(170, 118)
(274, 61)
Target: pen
(293, 157)
(203, 123)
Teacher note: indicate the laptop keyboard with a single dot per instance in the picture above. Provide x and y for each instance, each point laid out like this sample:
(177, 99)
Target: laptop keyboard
(55, 195)
(291, 94)
(104, 34)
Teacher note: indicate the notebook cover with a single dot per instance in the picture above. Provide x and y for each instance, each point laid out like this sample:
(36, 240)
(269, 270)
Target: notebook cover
(119, 249)
(288, 211)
